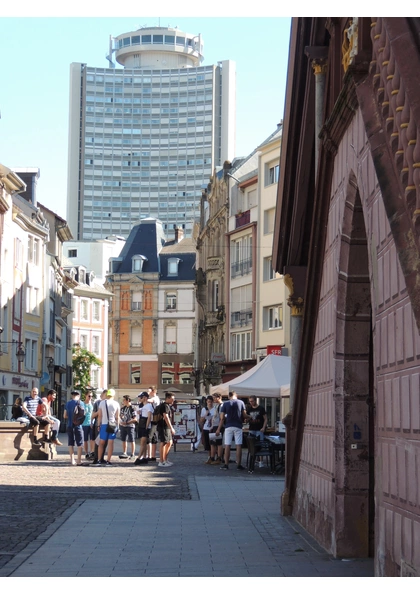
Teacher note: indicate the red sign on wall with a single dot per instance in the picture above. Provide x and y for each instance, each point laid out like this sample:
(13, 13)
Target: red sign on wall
(273, 349)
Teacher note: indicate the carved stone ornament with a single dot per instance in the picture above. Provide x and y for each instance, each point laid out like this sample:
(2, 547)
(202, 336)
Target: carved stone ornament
(349, 45)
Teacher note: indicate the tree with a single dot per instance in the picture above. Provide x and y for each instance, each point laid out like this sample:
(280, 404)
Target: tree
(82, 364)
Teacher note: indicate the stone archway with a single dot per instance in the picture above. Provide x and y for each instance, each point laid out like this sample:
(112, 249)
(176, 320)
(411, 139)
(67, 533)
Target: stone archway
(353, 394)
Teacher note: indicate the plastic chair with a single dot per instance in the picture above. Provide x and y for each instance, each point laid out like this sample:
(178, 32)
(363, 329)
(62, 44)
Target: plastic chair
(256, 449)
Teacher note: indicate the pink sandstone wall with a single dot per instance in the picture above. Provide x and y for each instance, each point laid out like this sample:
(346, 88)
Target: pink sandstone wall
(396, 354)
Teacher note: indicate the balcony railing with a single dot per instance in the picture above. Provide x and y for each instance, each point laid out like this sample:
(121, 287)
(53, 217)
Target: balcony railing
(170, 347)
(243, 219)
(241, 268)
(241, 318)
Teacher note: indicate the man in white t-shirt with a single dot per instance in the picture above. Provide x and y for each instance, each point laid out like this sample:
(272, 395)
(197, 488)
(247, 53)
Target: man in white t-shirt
(154, 400)
(145, 423)
(108, 416)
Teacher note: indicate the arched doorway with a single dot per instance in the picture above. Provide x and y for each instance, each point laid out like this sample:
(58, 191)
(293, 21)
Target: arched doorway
(354, 388)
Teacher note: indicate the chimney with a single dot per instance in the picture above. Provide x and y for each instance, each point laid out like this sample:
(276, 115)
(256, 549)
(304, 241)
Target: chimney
(179, 234)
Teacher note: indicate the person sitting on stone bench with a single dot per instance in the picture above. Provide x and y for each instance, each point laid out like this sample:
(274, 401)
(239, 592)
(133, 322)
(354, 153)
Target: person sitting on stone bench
(51, 397)
(29, 406)
(18, 414)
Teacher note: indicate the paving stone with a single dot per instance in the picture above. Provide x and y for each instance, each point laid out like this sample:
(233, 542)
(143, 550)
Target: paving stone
(167, 510)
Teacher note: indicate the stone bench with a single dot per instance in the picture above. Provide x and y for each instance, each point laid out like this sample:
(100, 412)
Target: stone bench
(16, 443)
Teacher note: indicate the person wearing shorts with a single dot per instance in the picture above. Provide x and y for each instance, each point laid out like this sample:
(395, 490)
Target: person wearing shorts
(232, 413)
(216, 445)
(128, 427)
(154, 400)
(145, 421)
(87, 428)
(165, 429)
(108, 414)
(74, 432)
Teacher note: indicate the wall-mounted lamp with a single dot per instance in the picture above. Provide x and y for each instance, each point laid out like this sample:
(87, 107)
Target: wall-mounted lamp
(50, 365)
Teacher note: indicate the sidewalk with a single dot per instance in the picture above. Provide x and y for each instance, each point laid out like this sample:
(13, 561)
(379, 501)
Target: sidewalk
(188, 520)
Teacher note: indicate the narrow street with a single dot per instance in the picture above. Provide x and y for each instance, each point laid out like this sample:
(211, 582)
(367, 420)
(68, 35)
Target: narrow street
(186, 520)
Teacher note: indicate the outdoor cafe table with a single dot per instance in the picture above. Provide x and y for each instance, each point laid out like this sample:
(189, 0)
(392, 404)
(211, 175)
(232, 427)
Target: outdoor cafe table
(277, 445)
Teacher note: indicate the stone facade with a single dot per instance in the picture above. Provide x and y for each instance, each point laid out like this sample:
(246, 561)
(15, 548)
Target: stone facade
(353, 432)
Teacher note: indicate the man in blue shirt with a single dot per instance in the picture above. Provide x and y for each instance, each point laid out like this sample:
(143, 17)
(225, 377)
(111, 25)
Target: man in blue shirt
(74, 432)
(232, 414)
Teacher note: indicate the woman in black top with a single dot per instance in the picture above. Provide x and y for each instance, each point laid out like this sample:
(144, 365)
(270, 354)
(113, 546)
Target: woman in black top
(17, 412)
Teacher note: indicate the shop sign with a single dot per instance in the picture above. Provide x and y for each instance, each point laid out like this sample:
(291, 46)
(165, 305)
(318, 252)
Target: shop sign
(273, 349)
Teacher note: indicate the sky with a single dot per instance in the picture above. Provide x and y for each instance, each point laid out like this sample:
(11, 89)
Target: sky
(34, 90)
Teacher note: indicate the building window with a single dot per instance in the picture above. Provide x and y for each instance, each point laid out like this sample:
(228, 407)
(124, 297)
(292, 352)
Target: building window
(137, 263)
(31, 354)
(135, 373)
(268, 272)
(271, 174)
(84, 307)
(96, 311)
(170, 339)
(269, 216)
(72, 253)
(273, 317)
(17, 303)
(96, 345)
(173, 266)
(136, 300)
(170, 300)
(32, 304)
(33, 249)
(185, 378)
(18, 254)
(215, 295)
(241, 256)
(136, 336)
(94, 377)
(83, 341)
(167, 378)
(240, 346)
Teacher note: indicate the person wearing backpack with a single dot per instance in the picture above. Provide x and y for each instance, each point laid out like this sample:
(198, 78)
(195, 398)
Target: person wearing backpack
(74, 413)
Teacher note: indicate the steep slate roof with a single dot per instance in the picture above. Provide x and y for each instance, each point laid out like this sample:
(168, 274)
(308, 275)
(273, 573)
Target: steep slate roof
(147, 239)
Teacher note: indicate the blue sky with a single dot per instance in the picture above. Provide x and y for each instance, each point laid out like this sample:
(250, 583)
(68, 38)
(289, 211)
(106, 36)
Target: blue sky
(34, 94)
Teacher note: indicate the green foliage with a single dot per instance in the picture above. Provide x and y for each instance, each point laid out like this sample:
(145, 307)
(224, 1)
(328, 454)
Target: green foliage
(82, 363)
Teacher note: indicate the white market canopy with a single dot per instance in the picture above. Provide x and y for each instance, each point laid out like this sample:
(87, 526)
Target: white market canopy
(270, 378)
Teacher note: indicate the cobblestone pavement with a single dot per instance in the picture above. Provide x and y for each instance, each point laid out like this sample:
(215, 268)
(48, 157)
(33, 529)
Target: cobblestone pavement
(39, 496)
(50, 487)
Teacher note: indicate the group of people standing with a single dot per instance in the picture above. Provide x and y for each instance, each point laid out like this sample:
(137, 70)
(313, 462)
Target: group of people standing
(222, 424)
(149, 420)
(94, 425)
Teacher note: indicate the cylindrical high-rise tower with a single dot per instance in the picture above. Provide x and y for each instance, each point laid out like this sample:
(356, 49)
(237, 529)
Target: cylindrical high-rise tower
(158, 47)
(145, 137)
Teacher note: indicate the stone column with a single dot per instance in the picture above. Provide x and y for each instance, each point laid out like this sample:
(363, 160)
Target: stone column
(294, 279)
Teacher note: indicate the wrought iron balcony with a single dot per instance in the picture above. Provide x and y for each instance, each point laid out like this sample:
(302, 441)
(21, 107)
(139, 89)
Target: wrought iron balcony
(241, 318)
(241, 268)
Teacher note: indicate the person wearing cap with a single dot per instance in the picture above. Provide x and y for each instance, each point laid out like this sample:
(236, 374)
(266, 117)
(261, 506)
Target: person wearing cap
(144, 424)
(108, 414)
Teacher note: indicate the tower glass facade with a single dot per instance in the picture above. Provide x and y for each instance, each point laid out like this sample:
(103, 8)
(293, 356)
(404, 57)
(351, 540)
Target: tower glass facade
(144, 140)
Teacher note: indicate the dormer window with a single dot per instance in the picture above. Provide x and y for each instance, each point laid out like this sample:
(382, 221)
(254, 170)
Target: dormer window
(137, 262)
(173, 266)
(82, 276)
